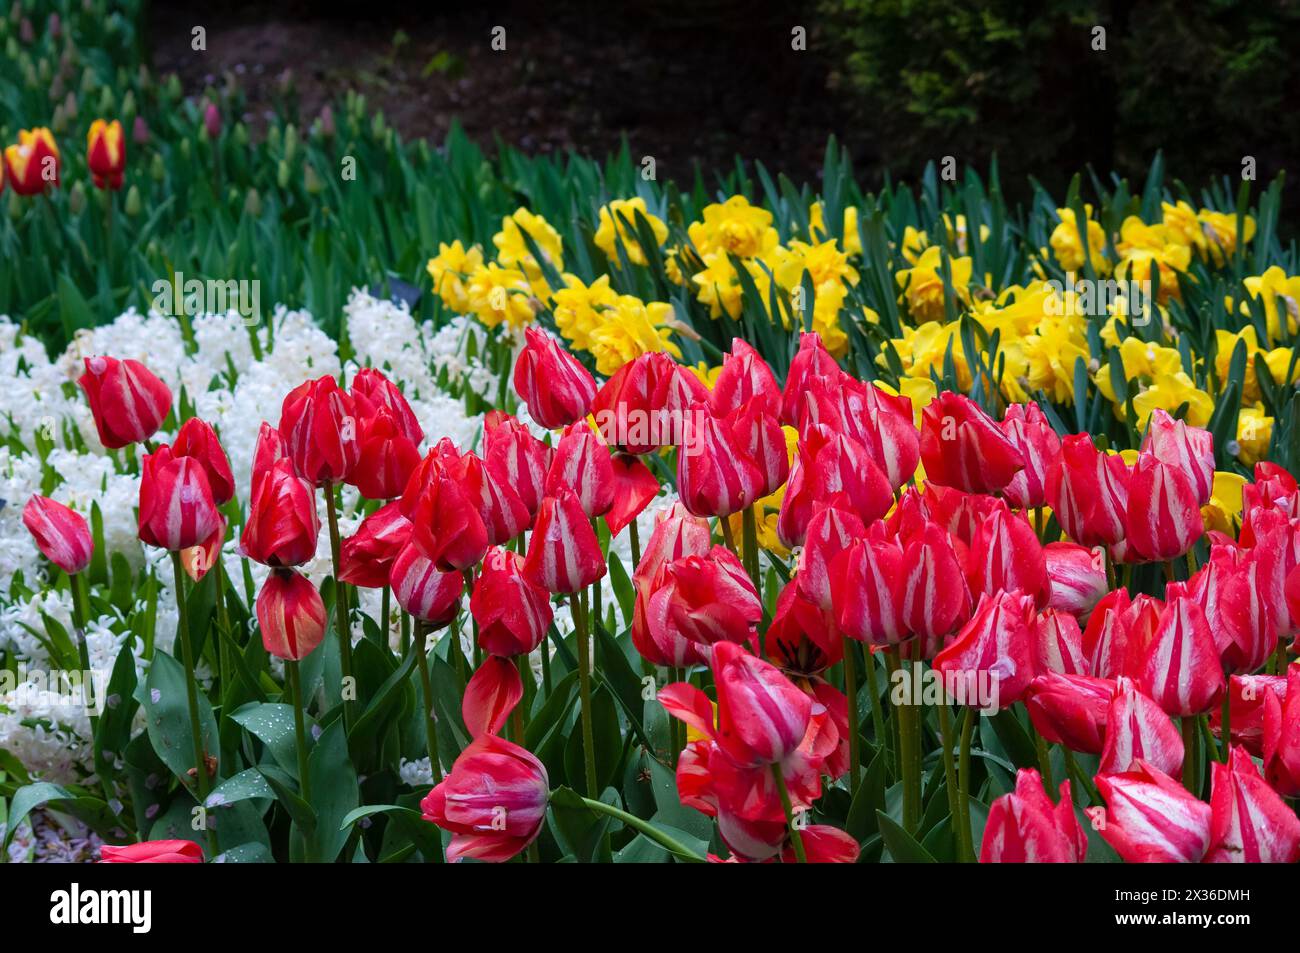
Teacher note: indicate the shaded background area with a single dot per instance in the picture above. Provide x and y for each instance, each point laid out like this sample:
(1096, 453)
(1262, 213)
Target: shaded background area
(900, 82)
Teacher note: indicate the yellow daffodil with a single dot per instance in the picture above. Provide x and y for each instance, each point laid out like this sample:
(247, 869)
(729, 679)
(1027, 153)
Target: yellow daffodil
(1254, 433)
(578, 308)
(734, 227)
(1280, 293)
(1220, 231)
(1169, 392)
(618, 223)
(1223, 512)
(513, 252)
(631, 328)
(1068, 246)
(451, 269)
(500, 295)
(819, 232)
(923, 286)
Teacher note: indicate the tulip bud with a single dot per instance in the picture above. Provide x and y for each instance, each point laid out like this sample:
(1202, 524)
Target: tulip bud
(106, 153)
(1164, 519)
(282, 527)
(582, 463)
(1136, 727)
(153, 852)
(762, 716)
(503, 513)
(386, 457)
(291, 615)
(1150, 817)
(828, 464)
(1070, 710)
(197, 439)
(513, 612)
(128, 403)
(867, 591)
(1088, 492)
(998, 640)
(563, 552)
(1181, 670)
(177, 510)
(812, 363)
(644, 405)
(715, 476)
(1025, 827)
(1250, 823)
(1189, 450)
(935, 600)
(61, 534)
(1028, 430)
(318, 421)
(1076, 578)
(963, 447)
(705, 599)
(556, 387)
(1005, 555)
(422, 590)
(830, 532)
(449, 529)
(760, 438)
(1058, 644)
(366, 557)
(132, 206)
(745, 377)
(33, 164)
(493, 801)
(140, 131)
(515, 457)
(372, 391)
(212, 120)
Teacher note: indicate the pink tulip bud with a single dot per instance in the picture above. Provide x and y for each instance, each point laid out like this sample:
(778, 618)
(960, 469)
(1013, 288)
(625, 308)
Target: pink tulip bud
(515, 457)
(291, 615)
(1058, 644)
(1076, 578)
(715, 474)
(1025, 827)
(1187, 449)
(1028, 430)
(61, 534)
(319, 423)
(422, 590)
(366, 557)
(1137, 728)
(1164, 518)
(513, 612)
(1250, 823)
(744, 378)
(1150, 817)
(563, 552)
(556, 387)
(1005, 554)
(963, 447)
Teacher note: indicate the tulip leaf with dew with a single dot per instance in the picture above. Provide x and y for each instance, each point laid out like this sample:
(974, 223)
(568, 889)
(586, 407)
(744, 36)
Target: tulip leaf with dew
(249, 784)
(118, 715)
(272, 724)
(168, 720)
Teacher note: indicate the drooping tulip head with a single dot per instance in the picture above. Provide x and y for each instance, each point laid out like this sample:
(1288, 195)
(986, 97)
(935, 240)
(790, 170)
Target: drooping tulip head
(291, 615)
(128, 402)
(61, 534)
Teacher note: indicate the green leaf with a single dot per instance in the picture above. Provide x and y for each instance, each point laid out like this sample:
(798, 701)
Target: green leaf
(167, 717)
(902, 846)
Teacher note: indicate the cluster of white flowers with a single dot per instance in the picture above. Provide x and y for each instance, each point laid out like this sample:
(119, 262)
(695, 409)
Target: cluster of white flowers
(235, 377)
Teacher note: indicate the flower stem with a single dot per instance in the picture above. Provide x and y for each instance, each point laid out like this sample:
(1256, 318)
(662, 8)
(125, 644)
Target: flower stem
(1191, 768)
(299, 726)
(192, 696)
(796, 839)
(342, 621)
(963, 783)
(877, 711)
(1044, 762)
(672, 845)
(727, 536)
(851, 692)
(635, 539)
(1225, 729)
(584, 683)
(749, 534)
(426, 686)
(950, 769)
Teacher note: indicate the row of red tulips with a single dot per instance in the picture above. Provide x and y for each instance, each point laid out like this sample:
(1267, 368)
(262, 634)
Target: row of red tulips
(967, 574)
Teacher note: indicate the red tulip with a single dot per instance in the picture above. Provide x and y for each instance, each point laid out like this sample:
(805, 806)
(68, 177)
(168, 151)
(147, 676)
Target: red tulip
(153, 852)
(823, 844)
(176, 506)
(867, 591)
(813, 362)
(422, 590)
(802, 638)
(386, 457)
(269, 448)
(366, 557)
(1164, 518)
(1070, 709)
(829, 464)
(449, 530)
(1227, 588)
(291, 615)
(656, 639)
(1250, 823)
(1120, 633)
(556, 387)
(745, 377)
(493, 801)
(61, 534)
(503, 512)
(282, 527)
(1280, 733)
(706, 599)
(644, 406)
(762, 717)
(1076, 578)
(1247, 696)
(1028, 430)
(1274, 490)
(33, 163)
(106, 154)
(830, 532)
(563, 552)
(758, 436)
(515, 457)
(1058, 644)
(1190, 450)
(1088, 492)
(1277, 554)
(963, 447)
(881, 422)
(1006, 554)
(1025, 827)
(960, 514)
(128, 403)
(935, 600)
(491, 695)
(1181, 669)
(513, 612)
(1150, 817)
(373, 392)
(998, 642)
(715, 474)
(1137, 728)
(197, 439)
(676, 534)
(319, 424)
(634, 487)
(582, 463)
